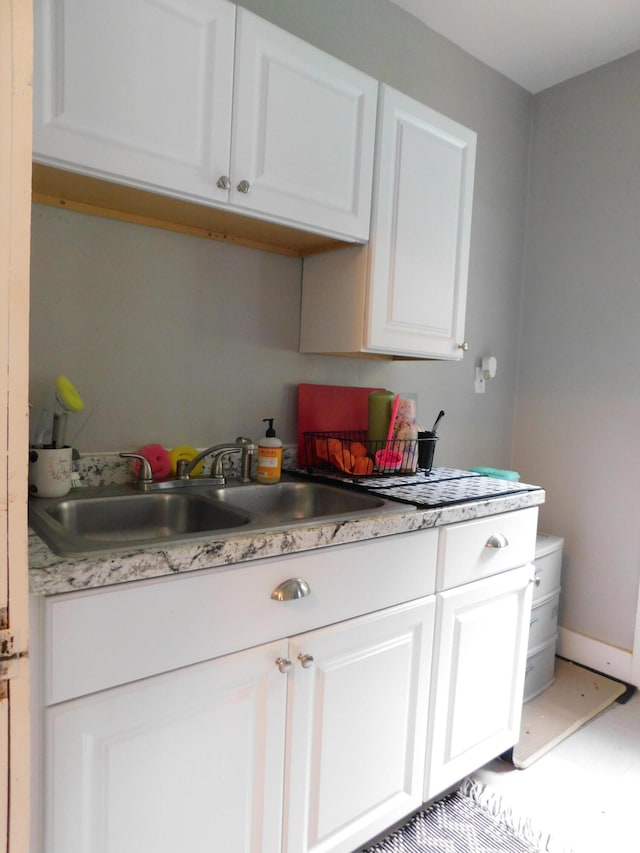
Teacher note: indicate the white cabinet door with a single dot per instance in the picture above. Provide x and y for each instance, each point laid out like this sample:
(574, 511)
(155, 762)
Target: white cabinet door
(303, 132)
(405, 293)
(422, 226)
(187, 761)
(357, 727)
(478, 675)
(137, 91)
(141, 92)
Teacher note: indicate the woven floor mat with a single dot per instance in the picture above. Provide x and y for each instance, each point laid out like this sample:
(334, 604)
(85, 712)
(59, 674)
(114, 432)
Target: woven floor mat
(470, 820)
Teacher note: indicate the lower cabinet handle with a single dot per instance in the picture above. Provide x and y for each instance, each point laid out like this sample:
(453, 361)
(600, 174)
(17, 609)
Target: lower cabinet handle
(497, 540)
(291, 589)
(283, 664)
(306, 661)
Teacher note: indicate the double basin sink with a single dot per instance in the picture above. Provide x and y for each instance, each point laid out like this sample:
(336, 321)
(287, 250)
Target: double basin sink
(106, 518)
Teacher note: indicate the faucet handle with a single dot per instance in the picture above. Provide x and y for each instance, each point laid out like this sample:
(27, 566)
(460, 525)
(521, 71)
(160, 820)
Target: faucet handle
(181, 469)
(248, 450)
(146, 473)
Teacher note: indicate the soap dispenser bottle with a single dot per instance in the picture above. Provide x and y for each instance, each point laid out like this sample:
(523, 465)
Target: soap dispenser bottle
(269, 455)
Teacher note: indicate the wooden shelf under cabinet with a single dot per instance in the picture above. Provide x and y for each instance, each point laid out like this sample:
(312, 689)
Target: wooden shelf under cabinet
(85, 194)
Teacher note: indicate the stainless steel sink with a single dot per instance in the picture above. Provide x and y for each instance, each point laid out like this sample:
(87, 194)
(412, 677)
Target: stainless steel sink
(108, 518)
(286, 502)
(97, 519)
(141, 516)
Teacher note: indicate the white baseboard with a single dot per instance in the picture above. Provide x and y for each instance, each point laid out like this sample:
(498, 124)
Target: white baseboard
(609, 660)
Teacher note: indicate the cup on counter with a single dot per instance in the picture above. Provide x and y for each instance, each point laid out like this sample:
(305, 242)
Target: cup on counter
(426, 449)
(49, 471)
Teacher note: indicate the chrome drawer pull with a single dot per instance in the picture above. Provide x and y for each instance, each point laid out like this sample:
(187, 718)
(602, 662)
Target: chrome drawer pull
(291, 589)
(498, 540)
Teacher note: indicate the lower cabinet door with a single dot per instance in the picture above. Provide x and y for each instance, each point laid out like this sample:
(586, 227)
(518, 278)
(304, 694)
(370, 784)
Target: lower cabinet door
(478, 675)
(358, 705)
(191, 760)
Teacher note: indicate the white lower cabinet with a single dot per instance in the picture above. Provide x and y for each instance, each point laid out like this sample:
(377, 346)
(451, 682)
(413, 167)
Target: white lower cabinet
(478, 675)
(357, 729)
(326, 731)
(190, 760)
(484, 585)
(207, 712)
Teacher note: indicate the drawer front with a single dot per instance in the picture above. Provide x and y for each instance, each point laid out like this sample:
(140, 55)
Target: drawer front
(98, 639)
(547, 574)
(540, 670)
(544, 620)
(473, 550)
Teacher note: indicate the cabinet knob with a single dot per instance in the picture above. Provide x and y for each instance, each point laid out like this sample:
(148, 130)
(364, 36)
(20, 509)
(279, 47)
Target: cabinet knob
(497, 540)
(306, 661)
(464, 346)
(244, 186)
(291, 589)
(283, 664)
(223, 182)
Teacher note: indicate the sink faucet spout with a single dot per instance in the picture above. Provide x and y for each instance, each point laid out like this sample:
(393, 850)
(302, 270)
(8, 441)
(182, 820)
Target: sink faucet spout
(218, 451)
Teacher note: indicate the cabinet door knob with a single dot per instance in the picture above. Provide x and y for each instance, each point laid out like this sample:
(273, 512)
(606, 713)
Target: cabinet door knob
(244, 187)
(306, 661)
(497, 540)
(283, 664)
(223, 182)
(464, 346)
(291, 589)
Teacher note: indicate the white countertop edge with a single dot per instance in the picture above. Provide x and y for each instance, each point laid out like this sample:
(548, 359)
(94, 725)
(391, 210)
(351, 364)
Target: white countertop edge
(50, 574)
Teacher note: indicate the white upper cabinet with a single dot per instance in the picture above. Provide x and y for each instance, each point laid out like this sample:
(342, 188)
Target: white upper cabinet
(303, 132)
(171, 96)
(136, 91)
(404, 294)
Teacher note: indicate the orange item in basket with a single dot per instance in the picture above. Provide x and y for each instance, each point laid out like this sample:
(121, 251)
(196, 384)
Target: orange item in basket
(350, 457)
(321, 449)
(342, 459)
(363, 465)
(358, 449)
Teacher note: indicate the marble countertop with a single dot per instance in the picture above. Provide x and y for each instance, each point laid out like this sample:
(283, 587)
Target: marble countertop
(50, 574)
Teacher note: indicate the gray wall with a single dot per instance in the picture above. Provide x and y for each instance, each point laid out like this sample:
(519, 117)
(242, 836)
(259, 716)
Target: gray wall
(180, 340)
(579, 388)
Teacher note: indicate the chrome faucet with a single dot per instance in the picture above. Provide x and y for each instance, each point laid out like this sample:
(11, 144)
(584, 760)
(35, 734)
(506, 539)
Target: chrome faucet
(242, 445)
(145, 475)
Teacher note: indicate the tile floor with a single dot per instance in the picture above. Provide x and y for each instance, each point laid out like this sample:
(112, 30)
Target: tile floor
(586, 792)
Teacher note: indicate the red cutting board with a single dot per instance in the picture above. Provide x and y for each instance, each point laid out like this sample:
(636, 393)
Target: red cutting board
(324, 408)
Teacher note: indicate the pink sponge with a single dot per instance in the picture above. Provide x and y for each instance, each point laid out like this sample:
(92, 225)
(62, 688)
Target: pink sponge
(157, 457)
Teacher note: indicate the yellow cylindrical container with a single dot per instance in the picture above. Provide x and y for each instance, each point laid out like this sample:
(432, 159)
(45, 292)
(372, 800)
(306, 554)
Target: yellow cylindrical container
(269, 456)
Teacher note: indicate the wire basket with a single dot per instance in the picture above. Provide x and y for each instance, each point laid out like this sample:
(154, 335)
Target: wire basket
(352, 453)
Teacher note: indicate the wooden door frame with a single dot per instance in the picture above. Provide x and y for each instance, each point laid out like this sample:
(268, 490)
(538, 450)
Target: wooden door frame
(16, 57)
